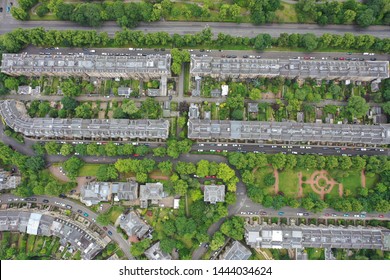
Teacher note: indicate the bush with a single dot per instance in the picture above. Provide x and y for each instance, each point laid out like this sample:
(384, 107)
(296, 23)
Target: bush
(269, 179)
(42, 10)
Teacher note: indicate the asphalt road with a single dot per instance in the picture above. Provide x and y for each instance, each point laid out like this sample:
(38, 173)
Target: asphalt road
(123, 244)
(244, 29)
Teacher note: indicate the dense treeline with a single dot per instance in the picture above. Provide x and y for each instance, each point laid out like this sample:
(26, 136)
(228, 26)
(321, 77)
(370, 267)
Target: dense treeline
(373, 199)
(364, 14)
(17, 39)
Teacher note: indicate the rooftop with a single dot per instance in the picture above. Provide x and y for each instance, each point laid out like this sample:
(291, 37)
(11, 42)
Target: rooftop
(290, 237)
(288, 131)
(236, 251)
(155, 253)
(81, 128)
(214, 193)
(91, 65)
(323, 69)
(133, 225)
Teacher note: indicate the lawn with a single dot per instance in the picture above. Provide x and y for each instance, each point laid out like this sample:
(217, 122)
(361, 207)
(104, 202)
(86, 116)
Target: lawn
(287, 13)
(288, 183)
(260, 174)
(352, 182)
(115, 212)
(30, 243)
(371, 181)
(89, 170)
(315, 254)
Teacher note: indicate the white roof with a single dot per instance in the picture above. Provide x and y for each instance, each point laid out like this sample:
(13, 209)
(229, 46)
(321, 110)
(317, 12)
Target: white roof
(33, 223)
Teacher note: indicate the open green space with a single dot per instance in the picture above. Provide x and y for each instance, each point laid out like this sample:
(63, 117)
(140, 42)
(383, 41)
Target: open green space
(352, 182)
(288, 183)
(260, 173)
(89, 170)
(371, 181)
(114, 213)
(287, 13)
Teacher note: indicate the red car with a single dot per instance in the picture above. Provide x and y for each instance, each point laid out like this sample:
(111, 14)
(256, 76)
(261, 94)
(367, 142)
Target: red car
(381, 216)
(341, 58)
(104, 228)
(327, 214)
(136, 155)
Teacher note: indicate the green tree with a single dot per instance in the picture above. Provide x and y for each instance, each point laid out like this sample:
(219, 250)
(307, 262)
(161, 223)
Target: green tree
(66, 149)
(167, 245)
(365, 18)
(202, 169)
(129, 107)
(160, 152)
(103, 219)
(52, 148)
(150, 109)
(106, 172)
(357, 106)
(255, 94)
(137, 249)
(11, 83)
(217, 241)
(70, 88)
(165, 167)
(72, 167)
(309, 42)
(234, 228)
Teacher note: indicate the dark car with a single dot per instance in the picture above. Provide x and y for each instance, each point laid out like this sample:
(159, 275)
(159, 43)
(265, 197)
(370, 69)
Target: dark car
(306, 214)
(45, 201)
(105, 228)
(373, 59)
(62, 196)
(109, 232)
(202, 50)
(162, 49)
(30, 199)
(79, 211)
(1, 9)
(245, 56)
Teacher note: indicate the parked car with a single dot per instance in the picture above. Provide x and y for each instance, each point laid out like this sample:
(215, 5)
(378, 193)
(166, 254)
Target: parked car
(105, 228)
(45, 201)
(109, 232)
(80, 211)
(346, 215)
(281, 213)
(86, 214)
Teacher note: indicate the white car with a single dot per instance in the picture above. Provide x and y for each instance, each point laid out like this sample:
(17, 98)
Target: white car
(201, 145)
(200, 150)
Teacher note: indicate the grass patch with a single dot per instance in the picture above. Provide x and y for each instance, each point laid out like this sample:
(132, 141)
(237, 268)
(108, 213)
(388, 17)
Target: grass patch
(47, 17)
(315, 254)
(114, 213)
(260, 173)
(371, 181)
(288, 183)
(352, 183)
(287, 13)
(30, 243)
(89, 170)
